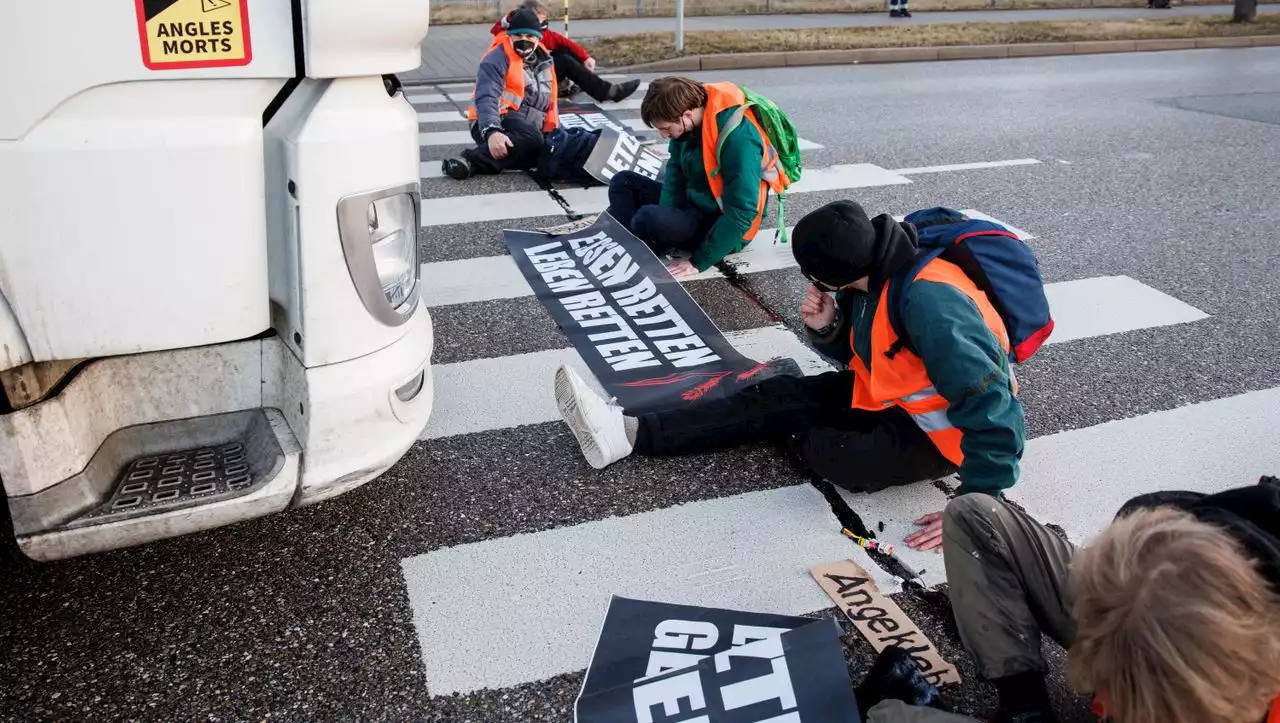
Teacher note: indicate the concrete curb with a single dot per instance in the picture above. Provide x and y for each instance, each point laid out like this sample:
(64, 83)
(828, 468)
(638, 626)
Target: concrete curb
(738, 61)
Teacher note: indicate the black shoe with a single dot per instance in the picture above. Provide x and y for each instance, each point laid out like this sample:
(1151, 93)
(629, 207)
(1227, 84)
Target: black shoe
(618, 91)
(895, 676)
(1024, 715)
(568, 89)
(895, 13)
(906, 13)
(456, 168)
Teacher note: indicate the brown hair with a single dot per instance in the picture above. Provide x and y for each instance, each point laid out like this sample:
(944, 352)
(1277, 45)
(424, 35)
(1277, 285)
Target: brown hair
(1175, 624)
(537, 6)
(668, 98)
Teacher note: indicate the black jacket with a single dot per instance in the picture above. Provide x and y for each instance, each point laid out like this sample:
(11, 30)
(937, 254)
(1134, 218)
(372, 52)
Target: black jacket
(1249, 514)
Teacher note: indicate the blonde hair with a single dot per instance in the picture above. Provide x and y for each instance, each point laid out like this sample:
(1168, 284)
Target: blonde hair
(1175, 624)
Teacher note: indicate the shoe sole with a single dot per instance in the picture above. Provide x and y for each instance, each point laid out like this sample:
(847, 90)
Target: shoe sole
(571, 411)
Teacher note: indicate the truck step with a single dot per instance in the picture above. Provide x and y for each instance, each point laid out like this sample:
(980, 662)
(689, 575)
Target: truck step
(180, 478)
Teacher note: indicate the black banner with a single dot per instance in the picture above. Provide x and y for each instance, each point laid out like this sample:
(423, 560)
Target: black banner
(641, 334)
(658, 663)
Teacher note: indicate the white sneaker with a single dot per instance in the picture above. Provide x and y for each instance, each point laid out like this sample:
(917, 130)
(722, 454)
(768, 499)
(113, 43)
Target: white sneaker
(596, 423)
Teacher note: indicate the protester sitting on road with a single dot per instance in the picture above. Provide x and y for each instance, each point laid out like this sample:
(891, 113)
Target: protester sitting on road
(574, 65)
(1170, 615)
(883, 420)
(695, 209)
(514, 103)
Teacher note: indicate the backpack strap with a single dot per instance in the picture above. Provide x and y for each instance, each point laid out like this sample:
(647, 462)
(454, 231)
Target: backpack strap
(730, 126)
(896, 288)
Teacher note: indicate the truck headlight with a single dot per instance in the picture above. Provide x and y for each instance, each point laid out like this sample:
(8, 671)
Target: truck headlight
(379, 232)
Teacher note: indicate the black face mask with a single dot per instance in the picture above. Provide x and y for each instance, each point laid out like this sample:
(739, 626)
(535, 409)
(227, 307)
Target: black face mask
(524, 47)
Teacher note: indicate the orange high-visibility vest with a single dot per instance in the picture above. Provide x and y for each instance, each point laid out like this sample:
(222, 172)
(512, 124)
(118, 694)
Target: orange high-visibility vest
(903, 380)
(513, 94)
(727, 95)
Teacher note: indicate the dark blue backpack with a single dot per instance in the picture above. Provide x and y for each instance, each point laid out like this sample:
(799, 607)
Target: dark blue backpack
(997, 261)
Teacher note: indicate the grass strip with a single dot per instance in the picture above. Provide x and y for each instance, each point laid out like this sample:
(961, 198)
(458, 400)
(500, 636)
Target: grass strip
(474, 11)
(620, 50)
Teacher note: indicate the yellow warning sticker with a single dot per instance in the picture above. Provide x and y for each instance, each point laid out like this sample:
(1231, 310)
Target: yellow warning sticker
(177, 34)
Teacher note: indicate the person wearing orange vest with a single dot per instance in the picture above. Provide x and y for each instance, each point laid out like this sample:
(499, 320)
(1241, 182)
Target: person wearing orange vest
(1171, 614)
(879, 422)
(701, 208)
(514, 103)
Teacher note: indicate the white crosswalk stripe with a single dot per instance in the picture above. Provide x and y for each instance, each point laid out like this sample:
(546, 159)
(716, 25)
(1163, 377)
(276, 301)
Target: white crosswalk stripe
(1082, 309)
(481, 610)
(527, 204)
(451, 282)
(754, 551)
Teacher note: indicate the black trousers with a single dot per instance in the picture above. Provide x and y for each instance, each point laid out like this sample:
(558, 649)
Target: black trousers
(633, 202)
(568, 66)
(856, 449)
(527, 143)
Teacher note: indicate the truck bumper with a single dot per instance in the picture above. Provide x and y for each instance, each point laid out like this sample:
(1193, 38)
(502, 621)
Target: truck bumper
(68, 462)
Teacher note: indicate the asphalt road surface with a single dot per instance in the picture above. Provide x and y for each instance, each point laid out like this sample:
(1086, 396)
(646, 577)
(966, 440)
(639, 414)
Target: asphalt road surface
(467, 584)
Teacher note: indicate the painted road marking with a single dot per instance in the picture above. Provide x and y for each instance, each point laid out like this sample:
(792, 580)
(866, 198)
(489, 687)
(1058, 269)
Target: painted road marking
(1110, 305)
(453, 282)
(442, 116)
(1078, 479)
(1081, 309)
(483, 610)
(518, 609)
(482, 391)
(463, 137)
(525, 204)
(966, 166)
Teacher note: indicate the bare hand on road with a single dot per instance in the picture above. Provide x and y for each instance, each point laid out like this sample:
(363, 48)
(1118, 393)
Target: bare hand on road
(930, 538)
(498, 145)
(818, 309)
(682, 269)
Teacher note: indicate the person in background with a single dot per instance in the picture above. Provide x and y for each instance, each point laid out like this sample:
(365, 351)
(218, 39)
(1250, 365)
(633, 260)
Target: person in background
(574, 65)
(880, 422)
(697, 208)
(514, 104)
(898, 9)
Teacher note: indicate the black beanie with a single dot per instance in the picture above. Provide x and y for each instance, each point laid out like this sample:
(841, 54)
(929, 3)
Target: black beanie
(837, 244)
(524, 22)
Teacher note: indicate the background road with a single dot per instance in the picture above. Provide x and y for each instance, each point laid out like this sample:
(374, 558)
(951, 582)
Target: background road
(454, 50)
(462, 585)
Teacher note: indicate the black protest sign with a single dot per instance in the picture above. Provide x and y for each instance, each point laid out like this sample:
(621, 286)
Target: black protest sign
(662, 663)
(641, 334)
(616, 152)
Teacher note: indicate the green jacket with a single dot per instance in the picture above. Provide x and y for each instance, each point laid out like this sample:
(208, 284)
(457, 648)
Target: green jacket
(685, 186)
(966, 364)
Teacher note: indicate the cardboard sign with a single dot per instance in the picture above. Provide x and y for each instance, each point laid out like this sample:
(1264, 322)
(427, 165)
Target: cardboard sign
(641, 334)
(879, 618)
(177, 34)
(616, 152)
(679, 663)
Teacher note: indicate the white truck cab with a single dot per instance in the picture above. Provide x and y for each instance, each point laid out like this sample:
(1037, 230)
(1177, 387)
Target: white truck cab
(209, 229)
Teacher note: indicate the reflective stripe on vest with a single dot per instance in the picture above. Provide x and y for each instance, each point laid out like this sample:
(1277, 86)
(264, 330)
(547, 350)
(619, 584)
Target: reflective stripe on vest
(721, 96)
(903, 380)
(513, 92)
